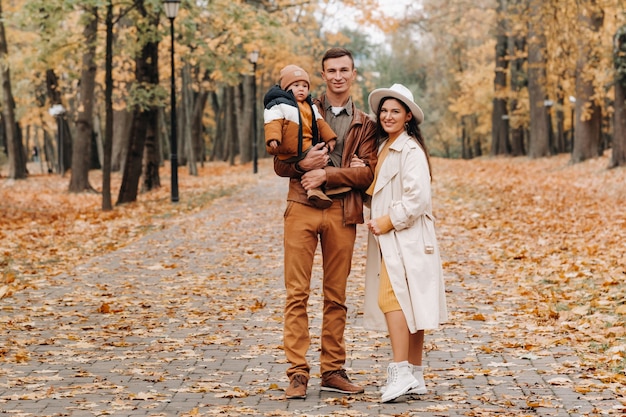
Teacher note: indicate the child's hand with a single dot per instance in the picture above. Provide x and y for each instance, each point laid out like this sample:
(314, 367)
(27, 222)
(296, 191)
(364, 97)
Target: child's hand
(331, 145)
(273, 144)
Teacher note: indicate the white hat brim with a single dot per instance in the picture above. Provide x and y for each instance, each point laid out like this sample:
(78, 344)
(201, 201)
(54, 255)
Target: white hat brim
(378, 94)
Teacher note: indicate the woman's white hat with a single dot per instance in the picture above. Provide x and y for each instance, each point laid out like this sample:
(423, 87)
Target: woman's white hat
(399, 92)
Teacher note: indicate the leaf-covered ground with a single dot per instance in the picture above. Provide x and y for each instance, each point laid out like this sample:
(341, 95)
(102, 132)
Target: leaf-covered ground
(45, 230)
(535, 251)
(555, 235)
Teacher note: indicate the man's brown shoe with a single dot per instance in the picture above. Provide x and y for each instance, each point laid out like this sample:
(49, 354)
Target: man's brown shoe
(338, 381)
(297, 387)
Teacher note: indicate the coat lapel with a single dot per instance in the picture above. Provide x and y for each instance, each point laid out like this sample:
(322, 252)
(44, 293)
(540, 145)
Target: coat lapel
(391, 164)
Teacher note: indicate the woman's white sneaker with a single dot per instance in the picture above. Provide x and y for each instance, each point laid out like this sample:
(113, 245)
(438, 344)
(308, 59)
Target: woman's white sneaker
(400, 380)
(418, 373)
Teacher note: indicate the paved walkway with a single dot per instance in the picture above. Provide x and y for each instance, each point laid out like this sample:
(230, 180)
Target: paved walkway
(187, 322)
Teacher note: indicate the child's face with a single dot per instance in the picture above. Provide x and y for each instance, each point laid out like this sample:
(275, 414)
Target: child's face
(300, 90)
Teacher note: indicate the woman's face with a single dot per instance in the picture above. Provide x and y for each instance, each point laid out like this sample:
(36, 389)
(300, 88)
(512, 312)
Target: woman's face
(393, 116)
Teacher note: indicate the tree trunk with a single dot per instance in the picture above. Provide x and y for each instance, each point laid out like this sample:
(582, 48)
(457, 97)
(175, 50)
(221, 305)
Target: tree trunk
(218, 139)
(519, 80)
(15, 149)
(64, 137)
(81, 153)
(244, 113)
(147, 76)
(229, 136)
(97, 145)
(618, 155)
(151, 158)
(466, 138)
(539, 139)
(122, 118)
(587, 132)
(187, 133)
(40, 147)
(559, 142)
(122, 121)
(3, 145)
(133, 166)
(499, 116)
(238, 117)
(48, 148)
(197, 129)
(107, 204)
(231, 125)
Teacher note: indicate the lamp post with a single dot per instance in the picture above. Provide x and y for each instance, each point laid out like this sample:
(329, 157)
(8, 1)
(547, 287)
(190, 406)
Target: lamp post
(548, 105)
(171, 10)
(254, 57)
(58, 111)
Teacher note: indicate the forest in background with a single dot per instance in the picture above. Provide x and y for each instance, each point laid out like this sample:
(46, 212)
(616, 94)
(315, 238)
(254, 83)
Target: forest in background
(86, 83)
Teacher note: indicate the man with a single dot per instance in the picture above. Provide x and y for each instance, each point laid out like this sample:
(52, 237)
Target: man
(334, 227)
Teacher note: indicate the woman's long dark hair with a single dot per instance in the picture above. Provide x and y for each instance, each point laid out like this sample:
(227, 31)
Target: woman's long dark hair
(412, 129)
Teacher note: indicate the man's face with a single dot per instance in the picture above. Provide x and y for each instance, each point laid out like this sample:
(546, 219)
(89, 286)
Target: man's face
(338, 74)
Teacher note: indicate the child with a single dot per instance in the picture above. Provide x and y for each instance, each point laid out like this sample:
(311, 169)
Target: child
(293, 124)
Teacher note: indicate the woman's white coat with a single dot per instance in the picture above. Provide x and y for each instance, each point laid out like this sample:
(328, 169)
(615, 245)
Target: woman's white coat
(410, 250)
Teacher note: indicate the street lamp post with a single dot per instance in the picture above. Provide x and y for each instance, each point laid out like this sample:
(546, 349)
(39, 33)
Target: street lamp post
(58, 111)
(548, 105)
(254, 57)
(171, 10)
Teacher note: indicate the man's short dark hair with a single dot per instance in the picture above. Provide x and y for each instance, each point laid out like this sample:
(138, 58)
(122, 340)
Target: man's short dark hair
(337, 53)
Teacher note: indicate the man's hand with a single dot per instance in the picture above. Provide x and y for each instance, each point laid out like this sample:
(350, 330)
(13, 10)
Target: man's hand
(313, 179)
(316, 158)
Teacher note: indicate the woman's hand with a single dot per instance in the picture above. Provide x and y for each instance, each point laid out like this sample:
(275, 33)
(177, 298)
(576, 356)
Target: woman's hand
(357, 162)
(373, 227)
(380, 225)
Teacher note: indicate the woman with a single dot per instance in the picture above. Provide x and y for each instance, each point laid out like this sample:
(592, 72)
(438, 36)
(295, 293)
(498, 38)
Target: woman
(404, 281)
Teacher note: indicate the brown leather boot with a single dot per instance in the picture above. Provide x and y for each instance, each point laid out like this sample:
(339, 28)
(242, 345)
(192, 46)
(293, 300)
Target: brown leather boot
(297, 387)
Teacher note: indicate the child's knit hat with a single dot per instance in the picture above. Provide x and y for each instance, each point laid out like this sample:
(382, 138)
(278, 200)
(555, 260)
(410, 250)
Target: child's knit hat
(292, 73)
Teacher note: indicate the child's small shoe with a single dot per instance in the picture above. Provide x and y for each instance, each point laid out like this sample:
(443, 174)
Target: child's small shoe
(319, 199)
